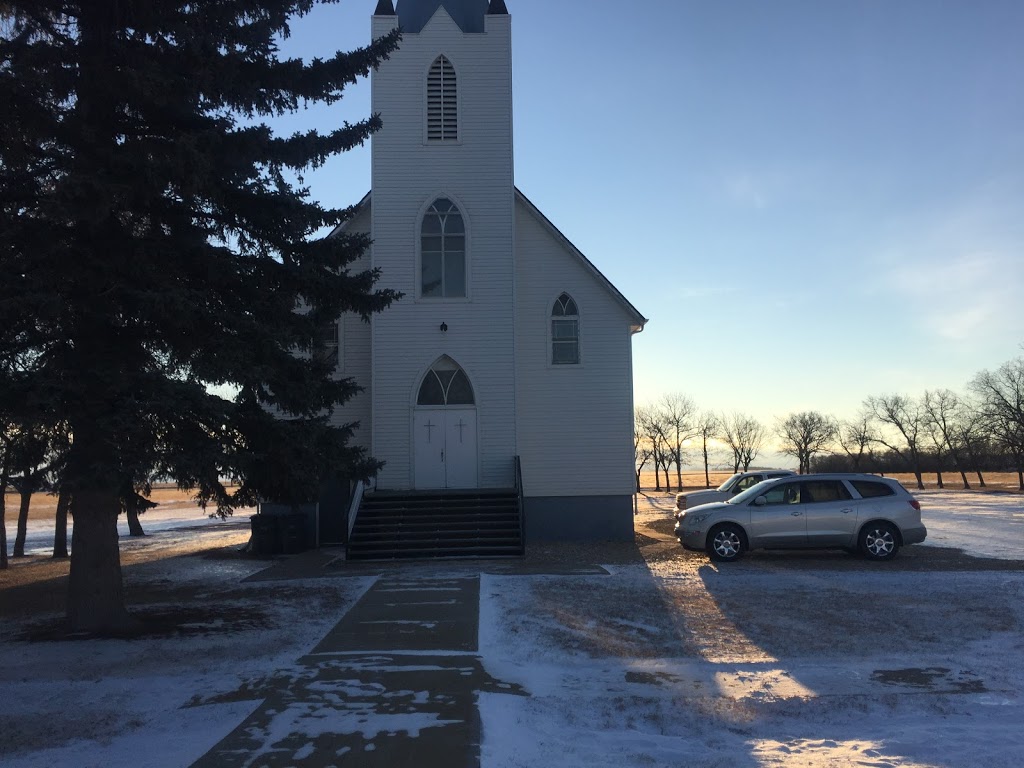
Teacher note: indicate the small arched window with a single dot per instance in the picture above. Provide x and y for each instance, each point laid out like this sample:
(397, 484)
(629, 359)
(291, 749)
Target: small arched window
(442, 102)
(445, 384)
(443, 251)
(565, 332)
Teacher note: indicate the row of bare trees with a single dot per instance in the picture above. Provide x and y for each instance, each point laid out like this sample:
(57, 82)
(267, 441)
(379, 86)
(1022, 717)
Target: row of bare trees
(969, 433)
(31, 456)
(667, 433)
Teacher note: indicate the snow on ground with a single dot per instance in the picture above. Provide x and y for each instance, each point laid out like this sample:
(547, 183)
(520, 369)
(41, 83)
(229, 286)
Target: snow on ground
(683, 663)
(168, 516)
(775, 661)
(983, 524)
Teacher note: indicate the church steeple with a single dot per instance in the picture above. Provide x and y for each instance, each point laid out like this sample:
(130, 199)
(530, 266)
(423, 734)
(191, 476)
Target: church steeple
(413, 15)
(384, 8)
(497, 8)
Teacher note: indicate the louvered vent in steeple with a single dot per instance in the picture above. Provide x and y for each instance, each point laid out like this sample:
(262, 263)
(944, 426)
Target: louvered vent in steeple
(442, 102)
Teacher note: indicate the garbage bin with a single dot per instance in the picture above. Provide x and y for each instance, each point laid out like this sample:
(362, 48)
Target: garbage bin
(266, 536)
(293, 533)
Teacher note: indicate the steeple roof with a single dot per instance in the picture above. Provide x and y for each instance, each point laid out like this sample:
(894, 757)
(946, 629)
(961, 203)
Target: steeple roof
(384, 8)
(413, 15)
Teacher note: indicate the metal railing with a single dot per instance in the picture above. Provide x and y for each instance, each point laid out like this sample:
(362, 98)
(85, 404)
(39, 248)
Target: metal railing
(353, 508)
(519, 503)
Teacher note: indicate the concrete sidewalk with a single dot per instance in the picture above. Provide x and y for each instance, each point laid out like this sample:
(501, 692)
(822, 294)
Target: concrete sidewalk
(393, 684)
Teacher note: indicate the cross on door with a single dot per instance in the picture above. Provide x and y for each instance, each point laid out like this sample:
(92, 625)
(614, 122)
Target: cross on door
(461, 425)
(430, 426)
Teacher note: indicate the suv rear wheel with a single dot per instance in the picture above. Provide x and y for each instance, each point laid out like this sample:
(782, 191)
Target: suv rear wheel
(879, 541)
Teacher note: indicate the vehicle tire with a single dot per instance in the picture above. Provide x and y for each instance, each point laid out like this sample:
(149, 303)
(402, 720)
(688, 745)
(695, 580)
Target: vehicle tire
(879, 541)
(726, 543)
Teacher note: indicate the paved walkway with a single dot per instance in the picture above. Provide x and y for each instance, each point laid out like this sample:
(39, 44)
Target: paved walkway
(393, 684)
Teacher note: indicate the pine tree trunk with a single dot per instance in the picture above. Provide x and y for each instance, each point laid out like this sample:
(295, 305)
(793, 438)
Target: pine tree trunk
(19, 538)
(134, 526)
(60, 530)
(95, 589)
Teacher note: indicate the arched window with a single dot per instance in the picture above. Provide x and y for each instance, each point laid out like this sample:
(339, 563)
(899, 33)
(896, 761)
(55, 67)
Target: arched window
(565, 332)
(442, 102)
(443, 251)
(445, 384)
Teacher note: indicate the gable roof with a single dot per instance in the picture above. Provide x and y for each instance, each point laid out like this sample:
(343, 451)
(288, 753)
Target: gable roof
(638, 320)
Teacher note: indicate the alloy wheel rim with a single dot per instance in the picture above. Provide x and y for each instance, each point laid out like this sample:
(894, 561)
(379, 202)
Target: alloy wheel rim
(880, 542)
(727, 544)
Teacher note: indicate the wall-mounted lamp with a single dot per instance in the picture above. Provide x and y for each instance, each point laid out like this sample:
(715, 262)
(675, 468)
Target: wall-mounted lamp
(444, 327)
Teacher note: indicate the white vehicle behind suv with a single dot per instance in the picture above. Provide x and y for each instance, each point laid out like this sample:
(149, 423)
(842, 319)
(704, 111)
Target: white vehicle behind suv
(735, 484)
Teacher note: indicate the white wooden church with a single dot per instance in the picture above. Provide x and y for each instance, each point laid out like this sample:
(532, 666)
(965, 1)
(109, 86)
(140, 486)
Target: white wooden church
(507, 365)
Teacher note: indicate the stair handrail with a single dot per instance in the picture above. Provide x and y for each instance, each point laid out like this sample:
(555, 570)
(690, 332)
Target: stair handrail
(353, 510)
(519, 502)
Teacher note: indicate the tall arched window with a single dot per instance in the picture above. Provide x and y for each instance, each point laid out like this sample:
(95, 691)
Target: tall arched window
(565, 332)
(445, 384)
(443, 251)
(442, 102)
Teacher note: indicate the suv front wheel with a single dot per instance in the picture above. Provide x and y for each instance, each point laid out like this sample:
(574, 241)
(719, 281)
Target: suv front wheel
(725, 543)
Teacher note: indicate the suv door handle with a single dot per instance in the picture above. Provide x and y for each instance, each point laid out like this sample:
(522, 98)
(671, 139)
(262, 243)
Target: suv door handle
(796, 514)
(846, 510)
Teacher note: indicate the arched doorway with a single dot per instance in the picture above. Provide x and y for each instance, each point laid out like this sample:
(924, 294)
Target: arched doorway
(444, 429)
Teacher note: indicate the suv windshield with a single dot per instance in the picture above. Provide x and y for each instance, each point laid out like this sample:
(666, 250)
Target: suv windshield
(752, 492)
(728, 484)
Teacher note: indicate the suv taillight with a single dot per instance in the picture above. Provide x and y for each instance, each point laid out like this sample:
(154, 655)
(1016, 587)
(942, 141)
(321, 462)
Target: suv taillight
(915, 504)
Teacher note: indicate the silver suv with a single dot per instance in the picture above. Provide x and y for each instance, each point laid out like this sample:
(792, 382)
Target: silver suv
(735, 484)
(875, 515)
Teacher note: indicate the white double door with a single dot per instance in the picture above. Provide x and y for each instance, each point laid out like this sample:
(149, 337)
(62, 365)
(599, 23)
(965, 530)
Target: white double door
(445, 448)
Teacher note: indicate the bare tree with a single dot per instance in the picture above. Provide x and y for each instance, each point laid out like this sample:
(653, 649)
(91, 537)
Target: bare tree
(708, 427)
(1001, 396)
(679, 416)
(744, 435)
(903, 416)
(5, 470)
(30, 453)
(972, 433)
(942, 410)
(649, 421)
(806, 434)
(643, 451)
(855, 437)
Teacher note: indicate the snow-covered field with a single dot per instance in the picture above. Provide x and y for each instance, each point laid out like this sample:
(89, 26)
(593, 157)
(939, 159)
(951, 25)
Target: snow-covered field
(774, 661)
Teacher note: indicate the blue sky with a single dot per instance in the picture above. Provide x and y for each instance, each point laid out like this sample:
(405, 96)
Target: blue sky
(813, 201)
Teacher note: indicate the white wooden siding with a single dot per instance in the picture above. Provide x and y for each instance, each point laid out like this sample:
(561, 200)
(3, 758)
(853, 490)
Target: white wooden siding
(354, 345)
(575, 422)
(408, 173)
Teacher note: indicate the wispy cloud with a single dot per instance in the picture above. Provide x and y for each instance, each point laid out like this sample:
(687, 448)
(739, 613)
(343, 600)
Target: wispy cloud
(747, 191)
(961, 270)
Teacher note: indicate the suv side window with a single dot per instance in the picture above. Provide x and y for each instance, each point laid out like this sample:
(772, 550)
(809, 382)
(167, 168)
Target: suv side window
(746, 482)
(786, 493)
(870, 490)
(819, 491)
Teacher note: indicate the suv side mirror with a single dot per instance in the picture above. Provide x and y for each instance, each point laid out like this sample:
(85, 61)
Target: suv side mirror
(760, 501)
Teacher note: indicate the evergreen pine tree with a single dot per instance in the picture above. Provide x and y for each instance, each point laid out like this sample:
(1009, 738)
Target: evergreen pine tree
(154, 245)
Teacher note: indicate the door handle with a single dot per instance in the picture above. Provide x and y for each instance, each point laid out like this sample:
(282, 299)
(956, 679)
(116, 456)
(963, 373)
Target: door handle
(442, 455)
(846, 511)
(796, 514)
